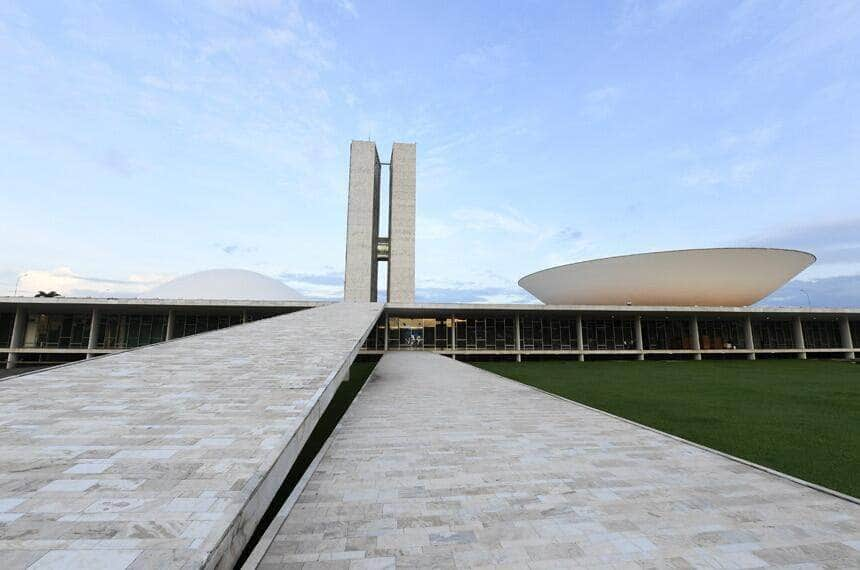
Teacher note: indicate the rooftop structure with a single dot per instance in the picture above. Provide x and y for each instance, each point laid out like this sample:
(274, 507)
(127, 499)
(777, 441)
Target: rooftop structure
(720, 277)
(227, 284)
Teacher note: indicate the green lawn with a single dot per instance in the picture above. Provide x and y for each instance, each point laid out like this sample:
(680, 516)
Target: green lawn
(800, 417)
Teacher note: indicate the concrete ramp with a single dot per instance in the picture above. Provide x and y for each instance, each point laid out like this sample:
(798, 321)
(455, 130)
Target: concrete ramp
(438, 464)
(166, 456)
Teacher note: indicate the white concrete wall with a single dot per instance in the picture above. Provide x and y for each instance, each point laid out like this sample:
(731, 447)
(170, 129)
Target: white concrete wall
(362, 224)
(401, 224)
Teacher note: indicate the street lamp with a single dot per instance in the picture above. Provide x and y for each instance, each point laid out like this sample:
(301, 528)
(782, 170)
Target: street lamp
(17, 281)
(808, 302)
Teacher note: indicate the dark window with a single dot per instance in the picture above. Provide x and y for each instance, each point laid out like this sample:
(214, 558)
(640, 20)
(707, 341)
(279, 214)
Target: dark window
(58, 331)
(718, 334)
(608, 334)
(548, 333)
(821, 334)
(773, 334)
(7, 323)
(666, 334)
(376, 337)
(186, 324)
(130, 331)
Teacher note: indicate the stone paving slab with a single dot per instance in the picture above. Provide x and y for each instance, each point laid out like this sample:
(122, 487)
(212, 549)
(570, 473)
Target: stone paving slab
(165, 456)
(438, 464)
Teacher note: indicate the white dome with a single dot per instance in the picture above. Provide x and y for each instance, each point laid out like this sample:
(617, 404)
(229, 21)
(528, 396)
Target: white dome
(225, 284)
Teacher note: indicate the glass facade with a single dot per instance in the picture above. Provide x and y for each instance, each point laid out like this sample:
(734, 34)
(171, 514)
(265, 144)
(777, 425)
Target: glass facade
(821, 334)
(130, 331)
(608, 334)
(376, 337)
(418, 333)
(773, 334)
(58, 331)
(666, 334)
(486, 333)
(7, 322)
(558, 334)
(251, 316)
(719, 334)
(185, 324)
(540, 331)
(537, 333)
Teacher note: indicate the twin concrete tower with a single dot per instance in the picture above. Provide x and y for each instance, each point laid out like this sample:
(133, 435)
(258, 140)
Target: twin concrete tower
(365, 248)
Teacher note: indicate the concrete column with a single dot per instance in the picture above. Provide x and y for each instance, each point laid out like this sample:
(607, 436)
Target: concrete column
(94, 333)
(580, 342)
(847, 341)
(694, 337)
(637, 328)
(798, 338)
(454, 338)
(171, 319)
(517, 341)
(401, 224)
(385, 341)
(17, 340)
(244, 316)
(362, 223)
(748, 338)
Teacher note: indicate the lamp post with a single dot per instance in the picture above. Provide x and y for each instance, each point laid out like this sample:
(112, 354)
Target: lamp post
(17, 281)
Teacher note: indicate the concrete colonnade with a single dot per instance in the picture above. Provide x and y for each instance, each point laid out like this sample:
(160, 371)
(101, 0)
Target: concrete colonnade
(845, 333)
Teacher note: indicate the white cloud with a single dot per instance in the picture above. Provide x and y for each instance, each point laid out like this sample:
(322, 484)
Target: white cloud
(69, 284)
(489, 220)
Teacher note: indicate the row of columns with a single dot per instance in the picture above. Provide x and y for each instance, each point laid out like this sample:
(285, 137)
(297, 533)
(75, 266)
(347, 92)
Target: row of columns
(844, 328)
(799, 343)
(19, 329)
(20, 326)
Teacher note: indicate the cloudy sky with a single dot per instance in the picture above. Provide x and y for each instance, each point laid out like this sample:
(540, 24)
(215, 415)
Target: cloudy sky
(144, 140)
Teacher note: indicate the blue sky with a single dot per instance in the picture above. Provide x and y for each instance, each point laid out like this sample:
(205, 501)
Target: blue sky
(144, 140)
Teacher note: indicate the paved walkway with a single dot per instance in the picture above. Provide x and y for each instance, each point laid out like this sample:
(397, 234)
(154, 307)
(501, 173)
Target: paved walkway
(165, 456)
(440, 464)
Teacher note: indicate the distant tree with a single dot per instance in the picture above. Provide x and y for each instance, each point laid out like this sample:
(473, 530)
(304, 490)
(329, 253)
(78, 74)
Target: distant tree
(48, 294)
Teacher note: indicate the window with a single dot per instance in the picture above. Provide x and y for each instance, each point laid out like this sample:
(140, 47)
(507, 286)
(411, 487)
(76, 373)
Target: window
(7, 323)
(719, 334)
(608, 334)
(773, 334)
(193, 323)
(130, 331)
(58, 331)
(821, 334)
(547, 333)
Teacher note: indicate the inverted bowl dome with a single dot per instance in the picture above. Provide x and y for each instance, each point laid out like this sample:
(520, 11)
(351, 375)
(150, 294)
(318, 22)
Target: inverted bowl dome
(721, 277)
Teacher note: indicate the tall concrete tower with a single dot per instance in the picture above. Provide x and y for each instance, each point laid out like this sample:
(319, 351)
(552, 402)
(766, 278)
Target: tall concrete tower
(365, 248)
